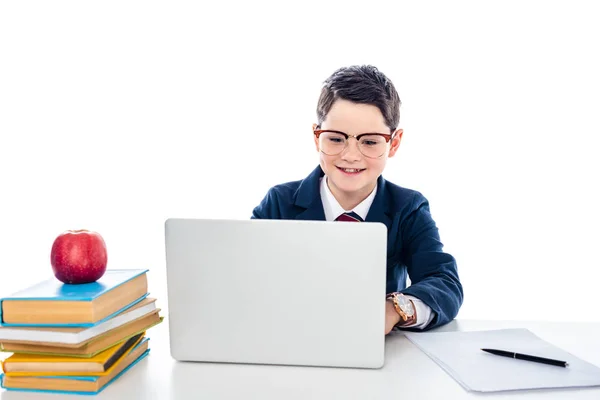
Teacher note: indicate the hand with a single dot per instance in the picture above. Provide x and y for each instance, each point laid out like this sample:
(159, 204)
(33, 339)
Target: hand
(391, 316)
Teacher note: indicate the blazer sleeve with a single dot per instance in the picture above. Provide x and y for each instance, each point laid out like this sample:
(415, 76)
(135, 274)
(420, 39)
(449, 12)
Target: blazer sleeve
(268, 208)
(432, 272)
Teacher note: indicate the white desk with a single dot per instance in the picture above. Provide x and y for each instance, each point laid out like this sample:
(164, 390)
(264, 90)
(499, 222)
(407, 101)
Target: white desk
(407, 374)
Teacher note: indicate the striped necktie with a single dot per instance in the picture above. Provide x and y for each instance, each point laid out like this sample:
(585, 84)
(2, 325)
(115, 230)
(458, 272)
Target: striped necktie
(349, 217)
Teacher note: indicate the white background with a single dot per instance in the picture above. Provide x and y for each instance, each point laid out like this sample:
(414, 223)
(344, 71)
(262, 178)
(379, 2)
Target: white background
(116, 115)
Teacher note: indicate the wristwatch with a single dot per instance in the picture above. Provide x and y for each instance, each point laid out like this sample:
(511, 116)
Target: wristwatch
(404, 307)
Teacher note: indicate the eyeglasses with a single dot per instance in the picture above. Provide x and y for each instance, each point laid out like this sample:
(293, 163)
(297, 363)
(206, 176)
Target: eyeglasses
(371, 145)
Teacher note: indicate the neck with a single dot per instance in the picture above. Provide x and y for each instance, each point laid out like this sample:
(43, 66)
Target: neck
(349, 200)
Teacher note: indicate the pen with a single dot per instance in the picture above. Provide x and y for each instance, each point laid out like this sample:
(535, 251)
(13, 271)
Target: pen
(526, 357)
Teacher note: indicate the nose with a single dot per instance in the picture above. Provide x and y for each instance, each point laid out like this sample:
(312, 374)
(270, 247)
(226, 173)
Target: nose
(351, 152)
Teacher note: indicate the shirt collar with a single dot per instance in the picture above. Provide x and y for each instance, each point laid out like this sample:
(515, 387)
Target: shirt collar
(333, 209)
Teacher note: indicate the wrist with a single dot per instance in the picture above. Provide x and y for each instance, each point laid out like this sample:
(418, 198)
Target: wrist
(392, 313)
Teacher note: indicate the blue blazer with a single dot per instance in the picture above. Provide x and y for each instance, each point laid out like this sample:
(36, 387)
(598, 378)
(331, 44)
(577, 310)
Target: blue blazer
(413, 246)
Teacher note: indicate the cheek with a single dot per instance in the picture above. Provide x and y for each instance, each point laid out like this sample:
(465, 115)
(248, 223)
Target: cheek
(326, 161)
(376, 165)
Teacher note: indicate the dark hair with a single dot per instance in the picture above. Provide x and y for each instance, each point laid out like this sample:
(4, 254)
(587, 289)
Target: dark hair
(361, 84)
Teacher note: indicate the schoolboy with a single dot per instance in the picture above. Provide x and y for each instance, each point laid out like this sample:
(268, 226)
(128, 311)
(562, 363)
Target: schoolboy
(358, 114)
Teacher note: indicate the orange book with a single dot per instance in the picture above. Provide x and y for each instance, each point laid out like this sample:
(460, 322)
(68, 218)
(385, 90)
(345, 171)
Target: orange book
(53, 303)
(75, 336)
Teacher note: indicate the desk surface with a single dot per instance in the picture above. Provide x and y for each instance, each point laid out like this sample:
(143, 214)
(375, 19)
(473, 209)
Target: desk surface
(407, 373)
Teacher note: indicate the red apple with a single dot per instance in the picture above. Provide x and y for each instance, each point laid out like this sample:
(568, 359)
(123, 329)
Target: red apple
(78, 257)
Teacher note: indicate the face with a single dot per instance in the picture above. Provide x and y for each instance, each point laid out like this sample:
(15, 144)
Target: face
(350, 173)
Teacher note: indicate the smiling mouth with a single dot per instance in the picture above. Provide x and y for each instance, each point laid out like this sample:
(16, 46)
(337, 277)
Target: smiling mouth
(351, 171)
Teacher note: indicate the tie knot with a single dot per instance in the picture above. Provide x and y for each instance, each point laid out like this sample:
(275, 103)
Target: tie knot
(349, 217)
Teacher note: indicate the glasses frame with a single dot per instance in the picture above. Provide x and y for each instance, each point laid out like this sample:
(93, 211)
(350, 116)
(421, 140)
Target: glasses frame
(387, 136)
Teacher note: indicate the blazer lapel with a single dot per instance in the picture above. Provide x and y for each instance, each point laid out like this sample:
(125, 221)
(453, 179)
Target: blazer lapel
(308, 197)
(313, 213)
(380, 210)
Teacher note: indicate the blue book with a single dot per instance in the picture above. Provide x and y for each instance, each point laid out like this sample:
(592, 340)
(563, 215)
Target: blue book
(75, 384)
(53, 303)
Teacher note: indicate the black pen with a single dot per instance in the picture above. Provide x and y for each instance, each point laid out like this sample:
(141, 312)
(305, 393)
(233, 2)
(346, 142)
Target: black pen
(526, 357)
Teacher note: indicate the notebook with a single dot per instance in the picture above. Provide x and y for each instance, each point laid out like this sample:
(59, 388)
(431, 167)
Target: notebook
(53, 303)
(460, 355)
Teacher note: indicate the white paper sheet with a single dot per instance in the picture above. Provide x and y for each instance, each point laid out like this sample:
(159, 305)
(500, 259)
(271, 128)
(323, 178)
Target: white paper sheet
(460, 355)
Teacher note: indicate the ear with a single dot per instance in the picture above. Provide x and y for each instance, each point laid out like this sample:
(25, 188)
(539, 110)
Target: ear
(395, 142)
(314, 127)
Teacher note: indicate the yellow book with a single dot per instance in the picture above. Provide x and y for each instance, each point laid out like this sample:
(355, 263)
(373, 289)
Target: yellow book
(75, 384)
(39, 365)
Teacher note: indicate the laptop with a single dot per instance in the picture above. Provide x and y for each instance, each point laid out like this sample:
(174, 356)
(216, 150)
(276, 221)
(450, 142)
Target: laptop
(284, 292)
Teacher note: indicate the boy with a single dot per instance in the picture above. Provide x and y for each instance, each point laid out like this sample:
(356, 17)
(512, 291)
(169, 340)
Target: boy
(357, 131)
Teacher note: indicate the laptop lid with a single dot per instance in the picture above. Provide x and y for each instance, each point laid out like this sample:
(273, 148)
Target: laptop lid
(277, 291)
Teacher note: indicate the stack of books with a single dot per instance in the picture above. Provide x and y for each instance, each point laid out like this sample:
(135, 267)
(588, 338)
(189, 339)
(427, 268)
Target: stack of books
(76, 338)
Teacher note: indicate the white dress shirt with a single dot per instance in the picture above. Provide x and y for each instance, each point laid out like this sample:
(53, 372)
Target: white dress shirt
(333, 209)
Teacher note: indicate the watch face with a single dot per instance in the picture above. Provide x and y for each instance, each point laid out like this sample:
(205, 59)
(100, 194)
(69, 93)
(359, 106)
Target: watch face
(405, 305)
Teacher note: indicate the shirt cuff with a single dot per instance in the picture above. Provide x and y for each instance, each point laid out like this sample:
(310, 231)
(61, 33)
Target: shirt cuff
(424, 313)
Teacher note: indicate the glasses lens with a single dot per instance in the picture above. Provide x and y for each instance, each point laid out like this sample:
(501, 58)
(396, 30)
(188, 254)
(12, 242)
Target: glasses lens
(332, 143)
(373, 146)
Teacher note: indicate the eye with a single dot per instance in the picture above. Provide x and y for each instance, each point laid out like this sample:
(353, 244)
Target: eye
(372, 140)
